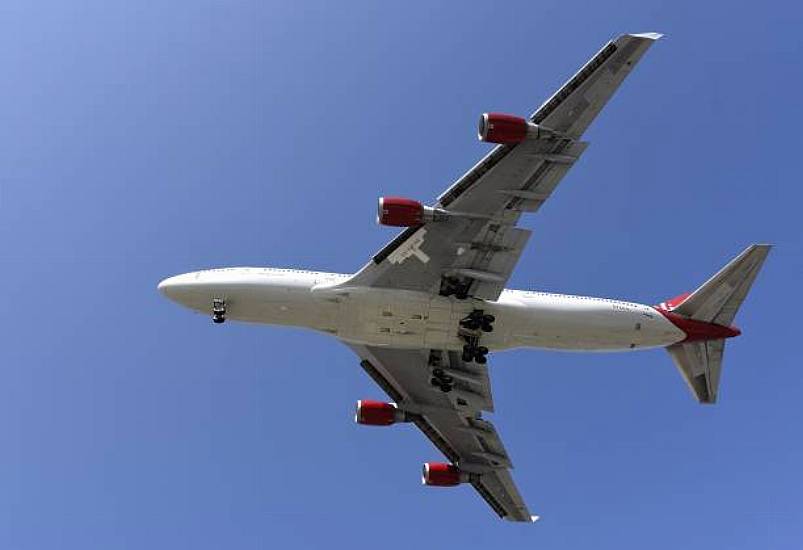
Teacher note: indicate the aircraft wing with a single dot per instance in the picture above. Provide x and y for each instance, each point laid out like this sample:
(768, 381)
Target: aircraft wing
(475, 252)
(452, 421)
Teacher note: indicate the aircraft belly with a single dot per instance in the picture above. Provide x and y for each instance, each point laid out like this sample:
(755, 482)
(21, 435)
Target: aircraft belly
(401, 319)
(593, 326)
(417, 320)
(286, 307)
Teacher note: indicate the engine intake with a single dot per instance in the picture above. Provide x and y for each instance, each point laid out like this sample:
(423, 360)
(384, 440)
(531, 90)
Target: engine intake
(441, 474)
(377, 413)
(509, 129)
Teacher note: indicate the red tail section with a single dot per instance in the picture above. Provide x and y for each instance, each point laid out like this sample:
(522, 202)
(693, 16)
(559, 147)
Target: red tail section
(697, 331)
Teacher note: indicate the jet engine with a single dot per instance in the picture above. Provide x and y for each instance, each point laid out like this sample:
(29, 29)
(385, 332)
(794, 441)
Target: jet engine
(401, 212)
(509, 129)
(377, 413)
(441, 474)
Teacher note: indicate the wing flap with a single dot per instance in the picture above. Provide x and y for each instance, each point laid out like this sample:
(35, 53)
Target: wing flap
(494, 251)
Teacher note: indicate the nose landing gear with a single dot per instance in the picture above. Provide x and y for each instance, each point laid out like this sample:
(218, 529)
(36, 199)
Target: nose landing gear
(471, 328)
(218, 311)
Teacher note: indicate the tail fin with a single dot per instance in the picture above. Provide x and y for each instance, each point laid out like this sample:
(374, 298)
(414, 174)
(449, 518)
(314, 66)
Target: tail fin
(718, 300)
(715, 302)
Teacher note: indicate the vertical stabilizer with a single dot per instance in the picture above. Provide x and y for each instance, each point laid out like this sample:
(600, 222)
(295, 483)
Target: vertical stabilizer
(718, 300)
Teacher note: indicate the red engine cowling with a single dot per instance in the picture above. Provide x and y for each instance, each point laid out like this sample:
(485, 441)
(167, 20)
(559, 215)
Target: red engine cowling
(377, 413)
(441, 474)
(399, 212)
(502, 128)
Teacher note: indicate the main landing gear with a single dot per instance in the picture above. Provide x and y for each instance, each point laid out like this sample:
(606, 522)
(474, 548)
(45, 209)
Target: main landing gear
(471, 328)
(218, 311)
(441, 380)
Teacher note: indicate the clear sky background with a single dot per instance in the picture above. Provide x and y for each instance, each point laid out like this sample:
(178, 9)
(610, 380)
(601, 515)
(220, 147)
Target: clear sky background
(141, 140)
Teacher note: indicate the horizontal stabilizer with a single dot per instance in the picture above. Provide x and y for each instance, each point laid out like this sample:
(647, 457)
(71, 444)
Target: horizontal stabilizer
(700, 364)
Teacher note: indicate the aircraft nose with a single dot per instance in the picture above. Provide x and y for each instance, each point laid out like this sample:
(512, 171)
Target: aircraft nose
(187, 289)
(166, 285)
(177, 286)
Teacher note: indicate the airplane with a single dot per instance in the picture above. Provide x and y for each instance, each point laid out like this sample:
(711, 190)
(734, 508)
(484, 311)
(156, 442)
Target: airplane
(426, 310)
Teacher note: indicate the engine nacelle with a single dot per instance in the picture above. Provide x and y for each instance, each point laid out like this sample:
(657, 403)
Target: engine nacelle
(509, 129)
(441, 474)
(377, 413)
(400, 212)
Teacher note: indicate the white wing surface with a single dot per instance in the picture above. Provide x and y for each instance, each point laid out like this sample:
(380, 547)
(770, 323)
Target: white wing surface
(475, 253)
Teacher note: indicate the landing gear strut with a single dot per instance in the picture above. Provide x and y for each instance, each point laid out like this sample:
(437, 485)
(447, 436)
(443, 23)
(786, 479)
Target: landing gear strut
(218, 311)
(471, 327)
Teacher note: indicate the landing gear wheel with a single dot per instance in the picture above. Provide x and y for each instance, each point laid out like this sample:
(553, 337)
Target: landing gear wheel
(488, 318)
(439, 378)
(446, 388)
(480, 359)
(218, 311)
(487, 327)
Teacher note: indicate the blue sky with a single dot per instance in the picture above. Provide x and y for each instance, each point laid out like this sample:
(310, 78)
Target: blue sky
(141, 140)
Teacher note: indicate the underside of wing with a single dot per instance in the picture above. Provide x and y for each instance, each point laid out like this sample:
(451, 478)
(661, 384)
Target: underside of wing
(451, 420)
(471, 247)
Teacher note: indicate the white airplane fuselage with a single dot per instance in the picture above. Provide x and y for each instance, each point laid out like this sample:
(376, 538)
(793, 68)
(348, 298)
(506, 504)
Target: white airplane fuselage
(416, 320)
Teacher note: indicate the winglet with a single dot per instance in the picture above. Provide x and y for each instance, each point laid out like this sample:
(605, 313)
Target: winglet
(533, 519)
(650, 35)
